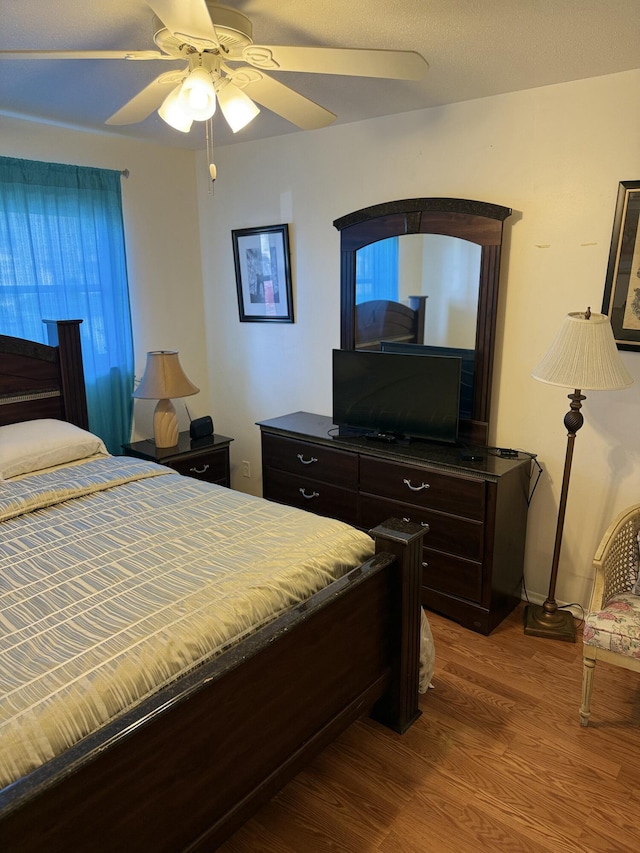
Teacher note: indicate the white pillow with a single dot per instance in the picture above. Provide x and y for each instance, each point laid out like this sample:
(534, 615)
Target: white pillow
(33, 445)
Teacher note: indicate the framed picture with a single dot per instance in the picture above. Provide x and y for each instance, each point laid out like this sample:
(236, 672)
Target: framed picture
(263, 274)
(621, 300)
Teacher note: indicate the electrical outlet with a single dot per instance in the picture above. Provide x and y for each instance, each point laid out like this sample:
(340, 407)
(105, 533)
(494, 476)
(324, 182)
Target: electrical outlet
(246, 469)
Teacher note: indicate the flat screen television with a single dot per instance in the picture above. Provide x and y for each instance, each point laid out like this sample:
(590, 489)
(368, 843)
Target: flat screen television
(468, 367)
(397, 396)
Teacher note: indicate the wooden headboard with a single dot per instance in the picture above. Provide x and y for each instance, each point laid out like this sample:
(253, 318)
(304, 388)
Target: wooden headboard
(43, 380)
(384, 320)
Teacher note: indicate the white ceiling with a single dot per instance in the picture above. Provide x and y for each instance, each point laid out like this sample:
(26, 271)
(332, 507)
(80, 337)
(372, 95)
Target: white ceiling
(475, 48)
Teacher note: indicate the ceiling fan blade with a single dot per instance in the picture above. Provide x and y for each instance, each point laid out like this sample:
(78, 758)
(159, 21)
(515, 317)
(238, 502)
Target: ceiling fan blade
(391, 64)
(83, 54)
(148, 100)
(280, 99)
(187, 19)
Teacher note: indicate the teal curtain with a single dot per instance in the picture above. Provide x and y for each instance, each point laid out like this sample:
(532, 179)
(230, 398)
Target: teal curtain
(377, 271)
(62, 257)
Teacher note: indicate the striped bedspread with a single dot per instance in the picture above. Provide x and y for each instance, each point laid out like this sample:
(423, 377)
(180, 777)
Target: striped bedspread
(118, 575)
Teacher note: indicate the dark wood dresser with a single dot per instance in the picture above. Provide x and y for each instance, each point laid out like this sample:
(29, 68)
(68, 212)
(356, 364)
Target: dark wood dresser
(476, 509)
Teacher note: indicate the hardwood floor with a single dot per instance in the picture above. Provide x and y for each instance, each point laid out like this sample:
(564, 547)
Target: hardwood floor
(498, 761)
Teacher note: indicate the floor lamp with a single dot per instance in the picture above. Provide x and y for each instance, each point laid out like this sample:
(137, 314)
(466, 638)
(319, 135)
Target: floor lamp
(583, 356)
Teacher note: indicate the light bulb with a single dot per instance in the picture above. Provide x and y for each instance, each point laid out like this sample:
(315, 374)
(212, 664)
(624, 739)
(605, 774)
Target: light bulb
(197, 95)
(172, 112)
(237, 107)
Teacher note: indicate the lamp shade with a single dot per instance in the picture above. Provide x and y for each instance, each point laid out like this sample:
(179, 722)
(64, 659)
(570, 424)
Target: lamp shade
(584, 356)
(172, 112)
(237, 107)
(164, 378)
(197, 95)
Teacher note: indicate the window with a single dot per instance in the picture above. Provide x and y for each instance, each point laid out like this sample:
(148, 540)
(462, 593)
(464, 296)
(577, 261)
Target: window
(62, 257)
(377, 271)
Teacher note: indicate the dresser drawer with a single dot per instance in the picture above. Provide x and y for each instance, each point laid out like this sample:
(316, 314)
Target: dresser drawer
(452, 575)
(423, 487)
(452, 534)
(212, 467)
(313, 461)
(314, 496)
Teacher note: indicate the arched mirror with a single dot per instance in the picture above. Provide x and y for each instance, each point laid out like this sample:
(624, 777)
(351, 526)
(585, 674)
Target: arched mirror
(421, 275)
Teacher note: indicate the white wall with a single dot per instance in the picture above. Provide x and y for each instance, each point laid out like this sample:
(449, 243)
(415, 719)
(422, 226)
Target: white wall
(162, 241)
(555, 155)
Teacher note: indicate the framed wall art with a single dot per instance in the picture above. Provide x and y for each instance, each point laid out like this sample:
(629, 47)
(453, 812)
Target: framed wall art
(263, 274)
(621, 300)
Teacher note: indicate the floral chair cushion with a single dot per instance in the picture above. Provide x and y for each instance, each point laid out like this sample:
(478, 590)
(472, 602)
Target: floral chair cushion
(617, 627)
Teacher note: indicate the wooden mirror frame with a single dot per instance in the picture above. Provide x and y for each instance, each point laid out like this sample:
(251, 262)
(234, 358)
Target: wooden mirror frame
(477, 221)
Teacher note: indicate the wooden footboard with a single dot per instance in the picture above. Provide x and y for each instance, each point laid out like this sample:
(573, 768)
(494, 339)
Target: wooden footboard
(192, 763)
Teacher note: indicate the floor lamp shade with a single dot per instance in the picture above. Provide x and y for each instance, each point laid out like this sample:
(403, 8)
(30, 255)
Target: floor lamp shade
(163, 379)
(583, 356)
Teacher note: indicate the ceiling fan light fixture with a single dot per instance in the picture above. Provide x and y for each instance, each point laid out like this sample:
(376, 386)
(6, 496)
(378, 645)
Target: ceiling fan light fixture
(197, 95)
(237, 107)
(173, 113)
(207, 35)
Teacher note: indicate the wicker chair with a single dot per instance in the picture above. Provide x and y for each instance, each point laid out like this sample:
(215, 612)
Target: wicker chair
(612, 626)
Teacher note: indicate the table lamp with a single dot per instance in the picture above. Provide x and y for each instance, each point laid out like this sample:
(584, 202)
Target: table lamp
(583, 356)
(164, 378)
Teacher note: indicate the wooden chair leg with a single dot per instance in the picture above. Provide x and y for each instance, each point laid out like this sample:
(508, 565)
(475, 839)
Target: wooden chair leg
(588, 666)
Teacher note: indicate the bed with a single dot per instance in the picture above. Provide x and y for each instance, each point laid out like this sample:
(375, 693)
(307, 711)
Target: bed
(188, 761)
(385, 320)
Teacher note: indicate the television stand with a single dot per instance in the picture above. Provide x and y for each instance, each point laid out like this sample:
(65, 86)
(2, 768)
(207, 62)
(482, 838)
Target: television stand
(476, 509)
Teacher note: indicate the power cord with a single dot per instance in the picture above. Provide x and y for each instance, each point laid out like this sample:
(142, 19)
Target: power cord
(535, 484)
(510, 453)
(560, 606)
(580, 608)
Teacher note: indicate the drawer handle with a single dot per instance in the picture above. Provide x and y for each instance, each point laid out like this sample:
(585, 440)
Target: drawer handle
(425, 565)
(306, 461)
(307, 497)
(202, 470)
(416, 488)
(422, 523)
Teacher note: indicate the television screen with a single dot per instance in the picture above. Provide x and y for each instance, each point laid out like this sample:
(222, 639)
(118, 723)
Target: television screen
(468, 367)
(397, 395)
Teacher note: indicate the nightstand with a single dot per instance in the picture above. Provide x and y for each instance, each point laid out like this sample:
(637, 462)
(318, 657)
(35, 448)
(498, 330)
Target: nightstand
(203, 458)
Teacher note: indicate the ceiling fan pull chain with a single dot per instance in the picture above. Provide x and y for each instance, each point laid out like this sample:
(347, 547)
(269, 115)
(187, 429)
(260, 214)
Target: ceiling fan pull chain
(209, 139)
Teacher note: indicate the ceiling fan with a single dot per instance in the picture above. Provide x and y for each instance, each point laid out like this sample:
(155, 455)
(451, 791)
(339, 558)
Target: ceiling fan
(224, 66)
